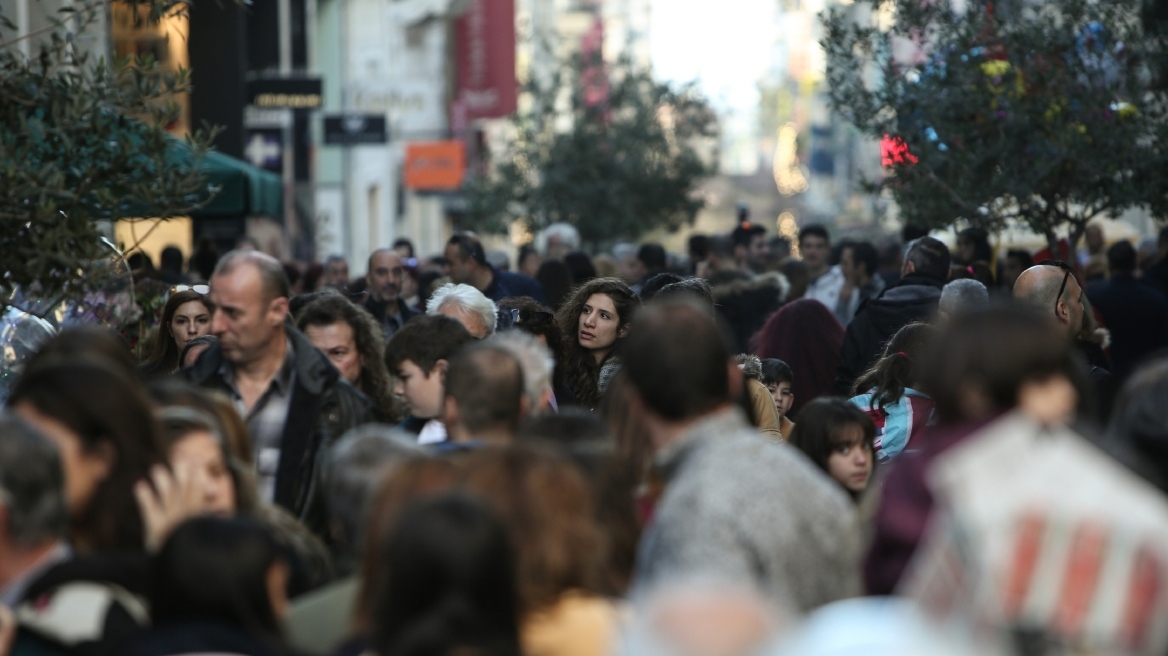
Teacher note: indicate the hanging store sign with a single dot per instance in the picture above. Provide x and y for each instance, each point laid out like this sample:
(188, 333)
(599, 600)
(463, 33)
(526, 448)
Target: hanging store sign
(485, 55)
(288, 93)
(355, 129)
(435, 165)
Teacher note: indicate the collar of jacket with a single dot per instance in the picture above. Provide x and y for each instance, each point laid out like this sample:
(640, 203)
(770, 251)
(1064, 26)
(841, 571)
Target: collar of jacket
(727, 284)
(913, 288)
(313, 370)
(716, 425)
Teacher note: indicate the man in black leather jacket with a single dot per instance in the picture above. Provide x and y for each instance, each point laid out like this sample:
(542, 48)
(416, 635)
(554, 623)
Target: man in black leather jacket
(293, 400)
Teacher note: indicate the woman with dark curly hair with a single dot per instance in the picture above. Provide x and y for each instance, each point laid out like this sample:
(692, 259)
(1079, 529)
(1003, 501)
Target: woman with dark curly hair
(186, 315)
(593, 321)
(353, 342)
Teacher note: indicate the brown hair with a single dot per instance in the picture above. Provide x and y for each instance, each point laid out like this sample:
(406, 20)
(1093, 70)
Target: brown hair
(164, 352)
(410, 481)
(546, 505)
(581, 372)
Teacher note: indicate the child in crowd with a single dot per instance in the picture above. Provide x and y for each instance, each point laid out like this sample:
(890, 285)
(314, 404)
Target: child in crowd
(886, 391)
(779, 379)
(418, 355)
(838, 437)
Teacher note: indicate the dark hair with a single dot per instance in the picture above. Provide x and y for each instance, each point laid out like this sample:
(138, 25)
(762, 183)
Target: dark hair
(171, 259)
(581, 372)
(525, 251)
(745, 233)
(425, 340)
(32, 484)
(900, 366)
(677, 360)
(655, 283)
(374, 380)
(556, 280)
(89, 341)
(1121, 257)
(819, 429)
(546, 505)
(469, 247)
(698, 247)
(581, 267)
(930, 258)
(487, 383)
(695, 289)
(164, 355)
(979, 271)
(540, 322)
(813, 230)
(775, 371)
(402, 241)
(194, 343)
(106, 409)
(1138, 433)
(653, 256)
(205, 257)
(993, 352)
(982, 251)
(807, 336)
(913, 231)
(214, 569)
(864, 252)
(448, 583)
(796, 273)
(1023, 257)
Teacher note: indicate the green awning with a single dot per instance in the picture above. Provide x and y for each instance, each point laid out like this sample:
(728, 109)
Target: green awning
(244, 190)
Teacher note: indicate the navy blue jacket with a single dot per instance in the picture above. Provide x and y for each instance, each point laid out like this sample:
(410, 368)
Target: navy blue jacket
(505, 284)
(1137, 316)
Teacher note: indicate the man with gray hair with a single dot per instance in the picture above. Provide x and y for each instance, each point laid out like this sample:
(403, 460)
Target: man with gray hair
(538, 367)
(467, 305)
(961, 297)
(294, 401)
(33, 515)
(559, 239)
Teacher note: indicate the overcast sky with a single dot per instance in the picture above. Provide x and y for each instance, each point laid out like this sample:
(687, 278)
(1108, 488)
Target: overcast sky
(724, 44)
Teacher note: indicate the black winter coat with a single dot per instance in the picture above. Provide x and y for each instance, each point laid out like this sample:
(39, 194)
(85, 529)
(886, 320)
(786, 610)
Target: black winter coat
(323, 406)
(912, 298)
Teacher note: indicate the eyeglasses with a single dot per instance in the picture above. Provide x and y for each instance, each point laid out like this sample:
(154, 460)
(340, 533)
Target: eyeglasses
(1067, 271)
(509, 318)
(198, 289)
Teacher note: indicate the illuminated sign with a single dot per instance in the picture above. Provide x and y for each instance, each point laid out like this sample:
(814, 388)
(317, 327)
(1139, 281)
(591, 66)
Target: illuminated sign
(288, 93)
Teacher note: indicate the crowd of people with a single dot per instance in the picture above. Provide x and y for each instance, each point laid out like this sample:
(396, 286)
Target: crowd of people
(759, 447)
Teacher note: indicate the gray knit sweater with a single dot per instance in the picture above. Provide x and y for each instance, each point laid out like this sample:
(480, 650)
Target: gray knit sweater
(750, 510)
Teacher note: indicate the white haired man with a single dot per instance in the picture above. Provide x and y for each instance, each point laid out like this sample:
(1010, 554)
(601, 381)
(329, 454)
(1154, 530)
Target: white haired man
(467, 305)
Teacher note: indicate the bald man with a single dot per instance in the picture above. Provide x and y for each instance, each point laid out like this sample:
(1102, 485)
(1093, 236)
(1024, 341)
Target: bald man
(1055, 289)
(293, 400)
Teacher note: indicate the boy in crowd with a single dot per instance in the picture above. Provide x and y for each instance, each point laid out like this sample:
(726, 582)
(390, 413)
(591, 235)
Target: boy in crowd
(418, 355)
(778, 378)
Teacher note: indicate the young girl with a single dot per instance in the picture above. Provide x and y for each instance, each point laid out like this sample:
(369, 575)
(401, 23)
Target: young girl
(838, 437)
(779, 381)
(592, 322)
(886, 391)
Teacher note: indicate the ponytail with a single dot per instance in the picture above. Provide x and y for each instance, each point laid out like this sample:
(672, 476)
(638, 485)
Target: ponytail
(898, 369)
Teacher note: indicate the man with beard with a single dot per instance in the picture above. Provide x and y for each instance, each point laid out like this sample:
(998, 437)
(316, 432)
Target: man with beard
(383, 282)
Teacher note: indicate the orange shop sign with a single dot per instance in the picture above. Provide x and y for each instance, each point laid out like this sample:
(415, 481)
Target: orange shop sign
(435, 165)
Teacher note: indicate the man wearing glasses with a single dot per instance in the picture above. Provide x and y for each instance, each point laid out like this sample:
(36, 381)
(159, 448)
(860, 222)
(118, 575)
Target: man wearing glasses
(1052, 284)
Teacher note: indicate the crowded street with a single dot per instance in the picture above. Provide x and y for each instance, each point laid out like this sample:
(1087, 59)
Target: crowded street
(500, 328)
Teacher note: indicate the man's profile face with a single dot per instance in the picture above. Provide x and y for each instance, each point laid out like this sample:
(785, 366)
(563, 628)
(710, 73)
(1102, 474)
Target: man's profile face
(457, 266)
(244, 318)
(759, 252)
(814, 250)
(384, 277)
(336, 274)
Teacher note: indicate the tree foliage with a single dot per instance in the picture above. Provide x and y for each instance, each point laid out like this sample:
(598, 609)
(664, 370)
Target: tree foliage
(616, 157)
(1047, 114)
(83, 139)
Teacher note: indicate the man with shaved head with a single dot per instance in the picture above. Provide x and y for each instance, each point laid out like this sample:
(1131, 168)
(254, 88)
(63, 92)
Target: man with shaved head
(294, 401)
(1052, 287)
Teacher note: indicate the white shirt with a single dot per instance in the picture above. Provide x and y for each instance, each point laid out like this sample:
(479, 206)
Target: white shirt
(432, 432)
(826, 288)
